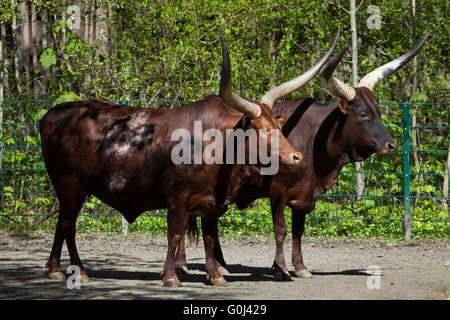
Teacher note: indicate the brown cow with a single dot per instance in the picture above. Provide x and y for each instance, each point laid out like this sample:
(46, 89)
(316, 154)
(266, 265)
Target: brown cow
(329, 136)
(123, 156)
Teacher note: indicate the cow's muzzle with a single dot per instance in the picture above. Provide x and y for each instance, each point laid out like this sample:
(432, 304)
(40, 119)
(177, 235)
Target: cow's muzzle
(389, 148)
(294, 158)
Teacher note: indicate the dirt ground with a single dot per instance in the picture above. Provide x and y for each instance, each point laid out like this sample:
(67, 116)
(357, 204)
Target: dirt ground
(129, 268)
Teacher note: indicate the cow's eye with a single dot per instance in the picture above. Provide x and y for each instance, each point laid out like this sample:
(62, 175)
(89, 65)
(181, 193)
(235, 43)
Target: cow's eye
(363, 116)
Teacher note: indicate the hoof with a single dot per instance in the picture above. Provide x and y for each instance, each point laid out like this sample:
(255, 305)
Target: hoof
(57, 275)
(172, 283)
(84, 278)
(303, 273)
(223, 271)
(220, 282)
(183, 269)
(281, 276)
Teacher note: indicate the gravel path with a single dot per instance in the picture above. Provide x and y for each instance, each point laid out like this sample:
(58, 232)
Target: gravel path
(129, 268)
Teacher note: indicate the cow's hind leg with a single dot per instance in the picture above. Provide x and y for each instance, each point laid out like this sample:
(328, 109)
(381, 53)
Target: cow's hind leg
(298, 227)
(192, 230)
(210, 236)
(53, 263)
(180, 257)
(70, 202)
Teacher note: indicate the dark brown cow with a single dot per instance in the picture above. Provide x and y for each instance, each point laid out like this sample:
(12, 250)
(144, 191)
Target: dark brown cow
(122, 155)
(329, 137)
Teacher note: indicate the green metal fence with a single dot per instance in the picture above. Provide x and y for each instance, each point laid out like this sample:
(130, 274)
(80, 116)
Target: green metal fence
(405, 195)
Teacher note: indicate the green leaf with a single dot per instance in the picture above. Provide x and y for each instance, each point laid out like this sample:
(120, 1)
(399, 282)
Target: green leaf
(41, 113)
(68, 96)
(20, 204)
(48, 58)
(31, 140)
(8, 189)
(60, 25)
(418, 97)
(370, 203)
(90, 205)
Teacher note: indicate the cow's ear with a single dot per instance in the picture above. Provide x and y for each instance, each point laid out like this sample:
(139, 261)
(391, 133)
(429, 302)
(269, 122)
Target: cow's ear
(280, 118)
(343, 105)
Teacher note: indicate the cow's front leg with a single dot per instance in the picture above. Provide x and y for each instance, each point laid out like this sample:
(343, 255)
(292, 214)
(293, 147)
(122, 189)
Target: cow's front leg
(210, 236)
(180, 256)
(279, 268)
(218, 256)
(175, 232)
(298, 227)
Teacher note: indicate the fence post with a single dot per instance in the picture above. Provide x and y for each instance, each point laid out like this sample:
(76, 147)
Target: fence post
(125, 225)
(406, 173)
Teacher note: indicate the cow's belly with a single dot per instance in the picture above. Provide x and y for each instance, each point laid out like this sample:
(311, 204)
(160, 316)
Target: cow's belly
(129, 184)
(131, 203)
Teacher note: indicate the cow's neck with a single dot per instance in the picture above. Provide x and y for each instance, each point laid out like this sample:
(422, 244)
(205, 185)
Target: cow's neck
(229, 175)
(330, 150)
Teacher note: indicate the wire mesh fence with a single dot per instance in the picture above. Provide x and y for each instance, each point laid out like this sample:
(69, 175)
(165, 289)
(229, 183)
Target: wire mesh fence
(405, 195)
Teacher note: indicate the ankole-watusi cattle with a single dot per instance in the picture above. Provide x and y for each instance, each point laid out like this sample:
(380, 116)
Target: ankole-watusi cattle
(329, 136)
(122, 155)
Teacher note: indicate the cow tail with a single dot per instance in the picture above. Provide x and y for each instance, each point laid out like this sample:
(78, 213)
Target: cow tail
(192, 230)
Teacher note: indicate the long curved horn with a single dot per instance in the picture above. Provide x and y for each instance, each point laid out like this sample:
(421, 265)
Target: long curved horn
(249, 108)
(372, 78)
(334, 85)
(295, 84)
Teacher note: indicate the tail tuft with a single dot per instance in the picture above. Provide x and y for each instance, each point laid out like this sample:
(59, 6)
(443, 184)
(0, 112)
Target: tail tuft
(192, 230)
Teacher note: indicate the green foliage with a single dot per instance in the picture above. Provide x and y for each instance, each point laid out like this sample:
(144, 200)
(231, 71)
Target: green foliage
(68, 96)
(170, 50)
(418, 97)
(48, 58)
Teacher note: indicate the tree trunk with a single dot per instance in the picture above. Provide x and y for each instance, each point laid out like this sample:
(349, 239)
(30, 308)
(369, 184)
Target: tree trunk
(64, 41)
(355, 80)
(35, 32)
(45, 44)
(4, 69)
(413, 34)
(445, 185)
(26, 44)
(16, 45)
(111, 70)
(2, 77)
(88, 36)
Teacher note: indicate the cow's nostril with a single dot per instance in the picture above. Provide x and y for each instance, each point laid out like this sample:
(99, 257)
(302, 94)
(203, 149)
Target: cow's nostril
(391, 146)
(296, 157)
